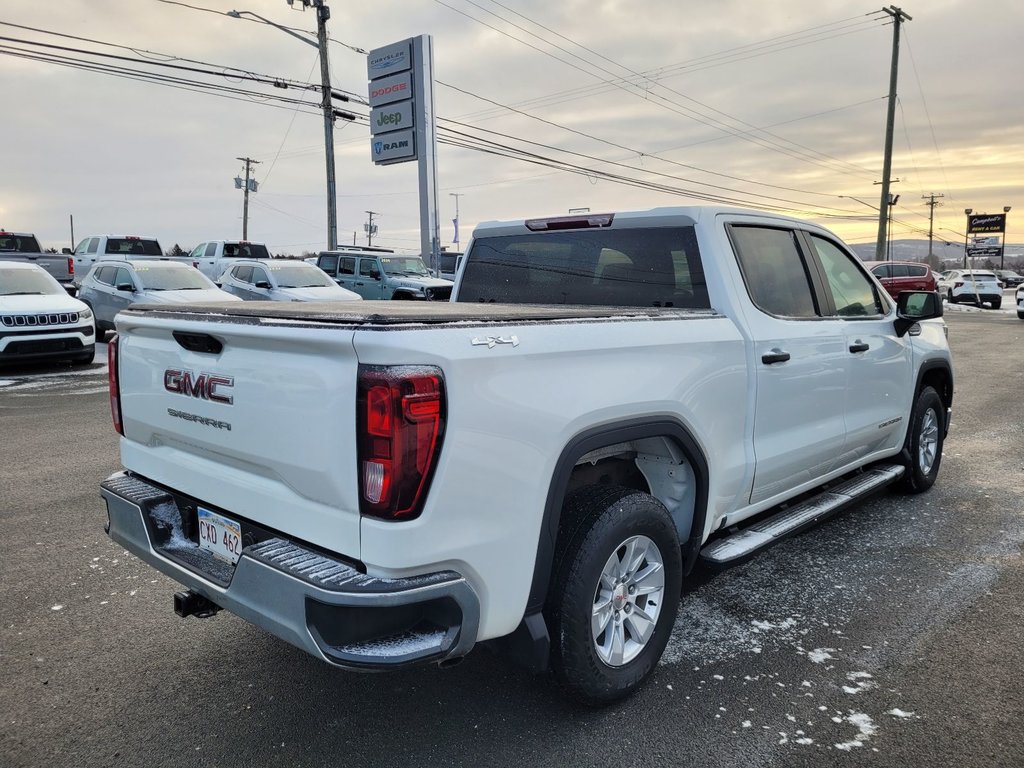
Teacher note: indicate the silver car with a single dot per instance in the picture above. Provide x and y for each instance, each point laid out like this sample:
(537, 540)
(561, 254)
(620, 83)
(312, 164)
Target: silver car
(281, 280)
(111, 286)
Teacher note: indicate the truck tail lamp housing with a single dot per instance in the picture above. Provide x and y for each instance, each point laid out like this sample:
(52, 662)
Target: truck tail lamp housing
(71, 266)
(401, 412)
(114, 385)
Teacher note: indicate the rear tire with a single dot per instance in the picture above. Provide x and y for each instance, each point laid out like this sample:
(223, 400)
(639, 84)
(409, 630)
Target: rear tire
(997, 304)
(949, 296)
(615, 594)
(925, 437)
(1020, 314)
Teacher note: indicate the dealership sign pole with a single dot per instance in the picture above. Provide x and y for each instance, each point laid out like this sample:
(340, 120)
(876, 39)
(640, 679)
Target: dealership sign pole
(403, 125)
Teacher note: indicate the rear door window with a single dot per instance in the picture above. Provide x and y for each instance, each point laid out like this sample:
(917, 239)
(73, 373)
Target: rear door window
(328, 263)
(774, 271)
(347, 265)
(243, 274)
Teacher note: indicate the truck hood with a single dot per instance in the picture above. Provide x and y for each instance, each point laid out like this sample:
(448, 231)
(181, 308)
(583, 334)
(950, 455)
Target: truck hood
(36, 304)
(418, 283)
(203, 296)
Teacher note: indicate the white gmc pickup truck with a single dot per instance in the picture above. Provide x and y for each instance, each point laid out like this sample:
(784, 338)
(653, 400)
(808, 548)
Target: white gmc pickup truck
(537, 464)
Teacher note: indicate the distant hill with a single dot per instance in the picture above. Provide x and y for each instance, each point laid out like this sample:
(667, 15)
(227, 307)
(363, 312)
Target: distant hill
(917, 250)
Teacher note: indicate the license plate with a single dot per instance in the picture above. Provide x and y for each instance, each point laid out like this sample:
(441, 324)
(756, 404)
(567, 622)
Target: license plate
(220, 535)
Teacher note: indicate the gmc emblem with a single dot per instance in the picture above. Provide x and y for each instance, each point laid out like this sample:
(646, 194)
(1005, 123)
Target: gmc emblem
(203, 385)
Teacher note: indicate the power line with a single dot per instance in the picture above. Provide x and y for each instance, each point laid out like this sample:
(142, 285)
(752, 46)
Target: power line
(665, 103)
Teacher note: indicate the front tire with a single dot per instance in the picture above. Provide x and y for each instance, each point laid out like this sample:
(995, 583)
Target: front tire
(924, 441)
(949, 296)
(618, 573)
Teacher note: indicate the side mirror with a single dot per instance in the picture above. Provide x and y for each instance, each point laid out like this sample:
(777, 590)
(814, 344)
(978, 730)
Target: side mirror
(262, 284)
(127, 287)
(66, 251)
(914, 306)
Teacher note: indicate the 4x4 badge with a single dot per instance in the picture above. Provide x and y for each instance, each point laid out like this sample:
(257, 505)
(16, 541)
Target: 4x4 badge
(491, 341)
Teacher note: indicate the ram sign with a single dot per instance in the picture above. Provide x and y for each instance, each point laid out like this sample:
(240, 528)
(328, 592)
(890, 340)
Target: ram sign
(391, 147)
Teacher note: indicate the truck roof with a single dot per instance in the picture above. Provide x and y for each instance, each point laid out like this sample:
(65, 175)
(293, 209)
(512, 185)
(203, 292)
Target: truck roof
(663, 216)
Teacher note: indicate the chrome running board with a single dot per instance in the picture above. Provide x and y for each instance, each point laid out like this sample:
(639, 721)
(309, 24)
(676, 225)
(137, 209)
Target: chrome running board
(790, 520)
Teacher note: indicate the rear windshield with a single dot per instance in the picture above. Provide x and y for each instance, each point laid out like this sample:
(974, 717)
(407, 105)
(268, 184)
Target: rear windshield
(18, 243)
(246, 251)
(172, 278)
(134, 246)
(658, 267)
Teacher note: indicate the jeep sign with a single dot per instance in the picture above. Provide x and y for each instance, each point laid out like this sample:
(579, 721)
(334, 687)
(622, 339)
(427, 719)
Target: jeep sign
(394, 117)
(393, 147)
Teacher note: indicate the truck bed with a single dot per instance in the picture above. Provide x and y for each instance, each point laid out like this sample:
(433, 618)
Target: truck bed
(390, 313)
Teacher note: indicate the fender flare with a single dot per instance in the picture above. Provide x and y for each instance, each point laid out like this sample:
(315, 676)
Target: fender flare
(947, 396)
(600, 437)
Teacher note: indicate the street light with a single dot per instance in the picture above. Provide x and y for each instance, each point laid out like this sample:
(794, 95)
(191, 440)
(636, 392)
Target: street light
(1002, 241)
(323, 13)
(967, 231)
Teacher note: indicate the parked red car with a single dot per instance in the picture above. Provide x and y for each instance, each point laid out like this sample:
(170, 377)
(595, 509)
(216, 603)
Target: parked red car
(897, 276)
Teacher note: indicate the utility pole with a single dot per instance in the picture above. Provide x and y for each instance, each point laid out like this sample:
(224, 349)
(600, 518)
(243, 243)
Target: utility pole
(932, 202)
(323, 13)
(249, 162)
(898, 17)
(370, 227)
(456, 195)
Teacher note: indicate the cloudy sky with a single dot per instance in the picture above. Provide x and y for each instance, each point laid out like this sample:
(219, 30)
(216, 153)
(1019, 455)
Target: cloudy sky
(776, 105)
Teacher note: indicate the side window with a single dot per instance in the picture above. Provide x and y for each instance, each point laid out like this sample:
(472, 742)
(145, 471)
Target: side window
(918, 271)
(347, 266)
(94, 243)
(882, 271)
(105, 275)
(369, 268)
(123, 276)
(852, 292)
(211, 250)
(328, 264)
(259, 275)
(774, 271)
(80, 248)
(900, 270)
(243, 274)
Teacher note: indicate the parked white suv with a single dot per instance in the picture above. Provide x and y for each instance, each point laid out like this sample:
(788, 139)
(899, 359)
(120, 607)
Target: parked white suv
(39, 321)
(974, 286)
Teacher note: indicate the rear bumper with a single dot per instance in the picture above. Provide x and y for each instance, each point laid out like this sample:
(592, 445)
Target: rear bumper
(318, 603)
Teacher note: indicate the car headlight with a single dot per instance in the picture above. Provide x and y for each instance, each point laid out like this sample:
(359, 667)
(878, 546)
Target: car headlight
(85, 314)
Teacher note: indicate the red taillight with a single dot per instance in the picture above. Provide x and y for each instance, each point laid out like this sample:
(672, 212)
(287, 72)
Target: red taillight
(400, 421)
(114, 385)
(71, 266)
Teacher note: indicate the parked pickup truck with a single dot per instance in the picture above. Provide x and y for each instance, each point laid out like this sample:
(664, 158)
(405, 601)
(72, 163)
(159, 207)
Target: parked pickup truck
(120, 248)
(537, 464)
(21, 246)
(215, 256)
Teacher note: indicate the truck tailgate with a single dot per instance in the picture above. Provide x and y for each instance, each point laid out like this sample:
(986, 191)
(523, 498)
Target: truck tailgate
(270, 443)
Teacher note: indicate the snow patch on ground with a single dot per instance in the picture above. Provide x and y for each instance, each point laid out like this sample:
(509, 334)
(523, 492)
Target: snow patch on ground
(866, 728)
(820, 655)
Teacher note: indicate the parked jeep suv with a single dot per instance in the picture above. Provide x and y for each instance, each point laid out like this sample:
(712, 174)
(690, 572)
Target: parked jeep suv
(384, 275)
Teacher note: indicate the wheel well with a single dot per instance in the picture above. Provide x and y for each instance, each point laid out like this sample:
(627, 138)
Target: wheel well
(653, 465)
(656, 456)
(941, 381)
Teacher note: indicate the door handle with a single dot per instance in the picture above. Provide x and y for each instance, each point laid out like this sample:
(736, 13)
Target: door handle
(775, 356)
(859, 346)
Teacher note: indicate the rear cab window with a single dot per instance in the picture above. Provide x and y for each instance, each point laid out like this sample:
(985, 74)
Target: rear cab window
(632, 267)
(135, 246)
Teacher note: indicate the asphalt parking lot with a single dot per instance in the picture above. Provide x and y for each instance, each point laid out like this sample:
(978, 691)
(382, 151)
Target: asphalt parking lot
(891, 635)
